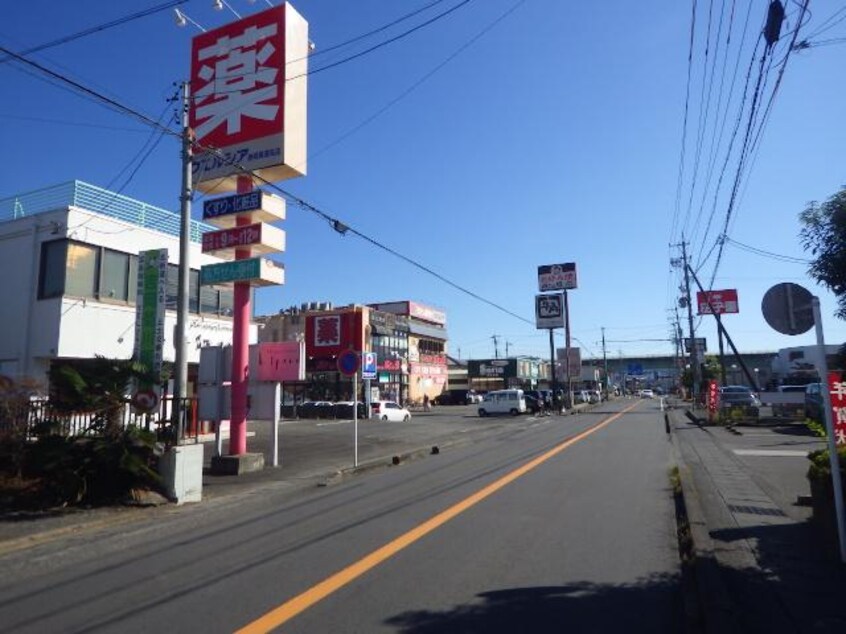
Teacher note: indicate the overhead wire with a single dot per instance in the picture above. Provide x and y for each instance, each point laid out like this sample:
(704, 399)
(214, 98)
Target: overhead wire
(335, 223)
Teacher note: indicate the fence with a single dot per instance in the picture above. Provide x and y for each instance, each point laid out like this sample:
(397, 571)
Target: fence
(24, 416)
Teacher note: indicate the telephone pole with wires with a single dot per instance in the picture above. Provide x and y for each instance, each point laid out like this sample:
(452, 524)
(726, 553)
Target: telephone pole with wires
(496, 346)
(686, 301)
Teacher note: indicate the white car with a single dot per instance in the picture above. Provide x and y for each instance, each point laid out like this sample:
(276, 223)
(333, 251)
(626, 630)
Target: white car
(647, 394)
(389, 410)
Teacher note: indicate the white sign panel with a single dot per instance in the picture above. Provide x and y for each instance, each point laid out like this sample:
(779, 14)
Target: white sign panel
(557, 277)
(549, 310)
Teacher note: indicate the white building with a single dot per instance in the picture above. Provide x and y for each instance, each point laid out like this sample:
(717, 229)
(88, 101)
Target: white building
(69, 256)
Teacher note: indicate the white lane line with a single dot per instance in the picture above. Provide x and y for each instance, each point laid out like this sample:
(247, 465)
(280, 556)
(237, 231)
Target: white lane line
(782, 453)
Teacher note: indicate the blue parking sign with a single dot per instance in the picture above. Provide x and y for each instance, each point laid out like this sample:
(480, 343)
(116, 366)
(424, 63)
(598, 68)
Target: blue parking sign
(368, 365)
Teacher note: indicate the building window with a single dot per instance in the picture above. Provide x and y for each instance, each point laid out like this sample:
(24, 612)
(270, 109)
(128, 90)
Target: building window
(193, 291)
(114, 281)
(209, 300)
(82, 268)
(226, 302)
(51, 281)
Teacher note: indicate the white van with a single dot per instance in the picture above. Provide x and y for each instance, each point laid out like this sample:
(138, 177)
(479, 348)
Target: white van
(503, 402)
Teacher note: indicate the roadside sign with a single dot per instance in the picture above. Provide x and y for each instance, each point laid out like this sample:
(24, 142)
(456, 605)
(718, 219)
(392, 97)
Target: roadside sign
(787, 308)
(144, 401)
(837, 390)
(557, 277)
(717, 302)
(257, 271)
(368, 365)
(348, 362)
(259, 206)
(700, 343)
(549, 310)
(713, 397)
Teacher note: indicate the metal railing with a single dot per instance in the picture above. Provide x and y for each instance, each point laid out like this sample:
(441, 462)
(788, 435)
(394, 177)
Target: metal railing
(23, 417)
(92, 198)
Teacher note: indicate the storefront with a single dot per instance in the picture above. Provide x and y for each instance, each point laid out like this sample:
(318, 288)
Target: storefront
(389, 340)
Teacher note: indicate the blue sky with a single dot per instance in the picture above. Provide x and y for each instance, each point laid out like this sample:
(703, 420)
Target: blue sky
(554, 137)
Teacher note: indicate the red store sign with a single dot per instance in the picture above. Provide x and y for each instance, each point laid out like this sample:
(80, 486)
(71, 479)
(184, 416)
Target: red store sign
(837, 392)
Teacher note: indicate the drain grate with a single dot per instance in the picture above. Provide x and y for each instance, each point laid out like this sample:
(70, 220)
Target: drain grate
(756, 510)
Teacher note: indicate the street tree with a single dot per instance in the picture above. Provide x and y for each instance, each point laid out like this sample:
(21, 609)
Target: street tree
(824, 235)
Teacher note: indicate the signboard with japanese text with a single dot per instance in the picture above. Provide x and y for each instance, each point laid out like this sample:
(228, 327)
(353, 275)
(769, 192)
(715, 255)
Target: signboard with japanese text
(260, 237)
(837, 392)
(557, 277)
(150, 308)
(713, 396)
(426, 313)
(329, 335)
(717, 302)
(257, 206)
(281, 361)
(256, 271)
(248, 98)
(549, 310)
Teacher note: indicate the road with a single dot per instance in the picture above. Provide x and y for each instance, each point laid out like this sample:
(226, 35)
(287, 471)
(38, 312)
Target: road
(559, 523)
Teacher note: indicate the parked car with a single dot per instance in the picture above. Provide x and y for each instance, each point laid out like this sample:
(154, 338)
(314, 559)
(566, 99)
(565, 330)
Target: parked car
(389, 410)
(581, 396)
(316, 409)
(814, 402)
(647, 393)
(740, 396)
(794, 409)
(344, 409)
(503, 402)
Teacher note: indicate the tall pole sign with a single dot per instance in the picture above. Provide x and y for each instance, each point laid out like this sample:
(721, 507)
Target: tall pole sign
(150, 309)
(552, 278)
(248, 113)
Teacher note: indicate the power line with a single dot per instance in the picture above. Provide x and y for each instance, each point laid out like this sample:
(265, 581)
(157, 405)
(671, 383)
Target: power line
(420, 81)
(335, 223)
(97, 29)
(764, 253)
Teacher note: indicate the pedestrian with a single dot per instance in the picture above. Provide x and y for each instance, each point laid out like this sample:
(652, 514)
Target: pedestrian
(426, 406)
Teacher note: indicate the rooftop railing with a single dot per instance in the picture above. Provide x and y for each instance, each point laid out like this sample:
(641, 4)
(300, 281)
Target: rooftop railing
(99, 200)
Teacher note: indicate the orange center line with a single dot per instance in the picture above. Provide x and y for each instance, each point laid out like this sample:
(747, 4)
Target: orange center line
(291, 608)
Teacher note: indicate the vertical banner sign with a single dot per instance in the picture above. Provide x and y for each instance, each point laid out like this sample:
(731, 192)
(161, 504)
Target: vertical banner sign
(837, 390)
(150, 308)
(713, 398)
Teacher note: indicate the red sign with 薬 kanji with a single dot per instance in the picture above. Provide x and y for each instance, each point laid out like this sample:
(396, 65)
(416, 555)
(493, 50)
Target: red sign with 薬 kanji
(329, 335)
(837, 393)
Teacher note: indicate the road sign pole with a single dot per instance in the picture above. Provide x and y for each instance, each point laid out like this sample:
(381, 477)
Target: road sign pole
(355, 419)
(834, 460)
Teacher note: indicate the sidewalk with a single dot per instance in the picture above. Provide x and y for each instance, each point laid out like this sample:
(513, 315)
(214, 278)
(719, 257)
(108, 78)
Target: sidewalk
(760, 565)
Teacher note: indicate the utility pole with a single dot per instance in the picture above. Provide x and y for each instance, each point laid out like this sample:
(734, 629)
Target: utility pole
(496, 347)
(180, 382)
(507, 345)
(605, 361)
(694, 353)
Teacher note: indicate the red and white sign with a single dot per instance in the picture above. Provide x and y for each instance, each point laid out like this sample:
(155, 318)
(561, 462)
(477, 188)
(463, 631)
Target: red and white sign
(248, 98)
(837, 391)
(426, 313)
(722, 302)
(713, 397)
(329, 335)
(261, 238)
(281, 361)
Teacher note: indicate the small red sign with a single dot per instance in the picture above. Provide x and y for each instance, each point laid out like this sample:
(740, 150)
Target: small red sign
(717, 302)
(837, 392)
(713, 396)
(232, 238)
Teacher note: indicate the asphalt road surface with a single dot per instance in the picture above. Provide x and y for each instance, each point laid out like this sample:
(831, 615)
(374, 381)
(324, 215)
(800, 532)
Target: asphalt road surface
(555, 524)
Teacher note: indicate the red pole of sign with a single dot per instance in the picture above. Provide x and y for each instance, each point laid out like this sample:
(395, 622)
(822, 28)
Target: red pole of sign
(240, 344)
